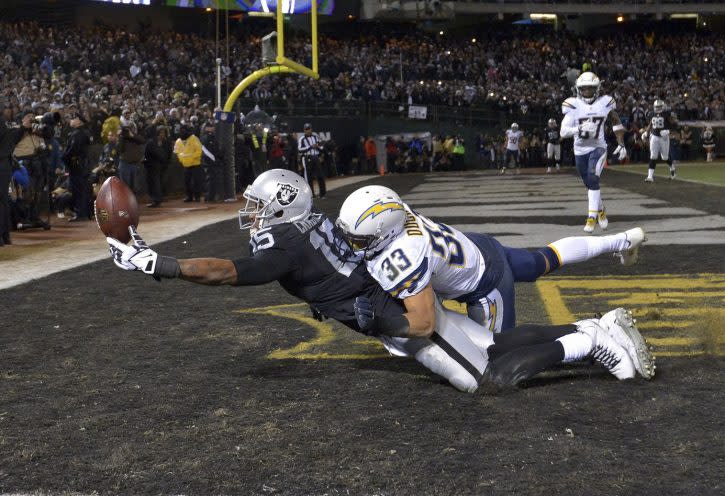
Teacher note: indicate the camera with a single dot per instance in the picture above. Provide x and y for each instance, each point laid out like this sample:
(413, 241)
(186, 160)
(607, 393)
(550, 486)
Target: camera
(45, 124)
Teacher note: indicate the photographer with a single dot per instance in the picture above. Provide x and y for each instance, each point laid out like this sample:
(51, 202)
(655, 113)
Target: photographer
(32, 152)
(131, 147)
(76, 159)
(10, 134)
(158, 156)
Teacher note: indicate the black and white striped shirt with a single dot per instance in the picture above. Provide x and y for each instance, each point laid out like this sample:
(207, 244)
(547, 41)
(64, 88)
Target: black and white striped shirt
(305, 145)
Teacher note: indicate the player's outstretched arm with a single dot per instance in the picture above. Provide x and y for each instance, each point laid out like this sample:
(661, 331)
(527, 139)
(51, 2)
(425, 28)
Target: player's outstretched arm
(264, 267)
(209, 271)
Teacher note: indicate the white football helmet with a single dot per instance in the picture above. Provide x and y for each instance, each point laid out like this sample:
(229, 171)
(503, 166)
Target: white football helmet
(514, 127)
(552, 123)
(275, 197)
(658, 106)
(587, 87)
(370, 218)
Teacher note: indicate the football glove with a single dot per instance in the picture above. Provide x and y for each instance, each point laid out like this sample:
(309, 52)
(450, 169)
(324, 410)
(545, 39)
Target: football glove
(317, 315)
(364, 314)
(665, 133)
(620, 152)
(588, 128)
(645, 135)
(137, 256)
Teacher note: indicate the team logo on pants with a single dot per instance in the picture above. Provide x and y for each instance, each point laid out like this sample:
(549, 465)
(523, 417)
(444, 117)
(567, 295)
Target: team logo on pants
(286, 194)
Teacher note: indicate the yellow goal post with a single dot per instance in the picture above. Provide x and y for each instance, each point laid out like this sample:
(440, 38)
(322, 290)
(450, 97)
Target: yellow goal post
(282, 64)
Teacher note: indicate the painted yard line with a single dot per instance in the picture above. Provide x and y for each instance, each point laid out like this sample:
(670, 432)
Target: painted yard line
(662, 281)
(558, 311)
(535, 235)
(482, 198)
(679, 341)
(659, 324)
(549, 209)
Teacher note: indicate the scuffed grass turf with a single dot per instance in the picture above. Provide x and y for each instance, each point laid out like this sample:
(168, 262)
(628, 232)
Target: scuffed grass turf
(703, 172)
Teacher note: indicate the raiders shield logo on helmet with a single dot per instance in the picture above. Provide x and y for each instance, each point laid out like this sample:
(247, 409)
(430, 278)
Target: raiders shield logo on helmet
(286, 194)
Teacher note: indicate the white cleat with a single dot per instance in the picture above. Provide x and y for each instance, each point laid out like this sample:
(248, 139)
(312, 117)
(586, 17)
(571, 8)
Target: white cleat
(602, 218)
(635, 238)
(606, 351)
(649, 179)
(590, 225)
(548, 170)
(621, 327)
(673, 173)
(503, 170)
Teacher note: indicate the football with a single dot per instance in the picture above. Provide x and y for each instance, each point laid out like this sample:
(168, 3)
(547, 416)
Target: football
(116, 209)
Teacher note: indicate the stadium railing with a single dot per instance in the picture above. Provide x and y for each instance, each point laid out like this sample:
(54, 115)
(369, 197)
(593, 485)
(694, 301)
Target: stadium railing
(479, 116)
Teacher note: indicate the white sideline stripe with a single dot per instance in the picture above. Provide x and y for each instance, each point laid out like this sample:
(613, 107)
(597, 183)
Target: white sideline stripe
(658, 233)
(74, 254)
(556, 209)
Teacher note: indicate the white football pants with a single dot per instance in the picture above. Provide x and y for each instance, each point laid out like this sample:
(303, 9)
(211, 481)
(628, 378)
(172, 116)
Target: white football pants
(659, 147)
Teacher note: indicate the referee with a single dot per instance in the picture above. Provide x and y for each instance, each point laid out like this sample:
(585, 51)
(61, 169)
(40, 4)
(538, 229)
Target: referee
(308, 147)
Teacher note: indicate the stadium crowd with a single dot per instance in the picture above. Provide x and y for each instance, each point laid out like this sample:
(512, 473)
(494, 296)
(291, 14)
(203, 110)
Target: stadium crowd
(137, 93)
(154, 72)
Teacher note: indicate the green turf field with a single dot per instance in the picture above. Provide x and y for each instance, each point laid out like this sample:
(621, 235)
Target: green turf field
(710, 173)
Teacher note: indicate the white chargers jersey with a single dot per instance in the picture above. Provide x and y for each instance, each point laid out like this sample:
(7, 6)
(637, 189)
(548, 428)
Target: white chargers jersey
(428, 252)
(513, 138)
(577, 111)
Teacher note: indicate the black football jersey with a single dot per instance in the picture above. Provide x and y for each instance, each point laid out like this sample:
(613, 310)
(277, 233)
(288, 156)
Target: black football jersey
(660, 121)
(321, 268)
(552, 136)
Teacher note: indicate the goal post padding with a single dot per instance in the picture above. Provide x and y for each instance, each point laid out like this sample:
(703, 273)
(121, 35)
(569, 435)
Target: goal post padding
(225, 138)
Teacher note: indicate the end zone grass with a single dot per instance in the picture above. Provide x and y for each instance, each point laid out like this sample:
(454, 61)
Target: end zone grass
(701, 172)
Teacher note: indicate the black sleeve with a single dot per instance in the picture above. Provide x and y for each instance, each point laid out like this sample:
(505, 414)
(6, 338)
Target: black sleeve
(265, 266)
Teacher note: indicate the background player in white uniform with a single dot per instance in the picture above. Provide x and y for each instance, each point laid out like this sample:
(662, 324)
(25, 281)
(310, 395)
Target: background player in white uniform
(418, 260)
(708, 143)
(553, 146)
(584, 118)
(513, 139)
(661, 122)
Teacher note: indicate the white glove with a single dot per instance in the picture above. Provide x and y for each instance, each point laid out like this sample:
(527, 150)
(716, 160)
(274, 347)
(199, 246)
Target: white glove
(620, 152)
(588, 128)
(665, 133)
(644, 135)
(137, 256)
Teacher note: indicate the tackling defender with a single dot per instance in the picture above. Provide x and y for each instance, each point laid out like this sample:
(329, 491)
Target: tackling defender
(419, 260)
(513, 137)
(660, 124)
(553, 146)
(584, 119)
